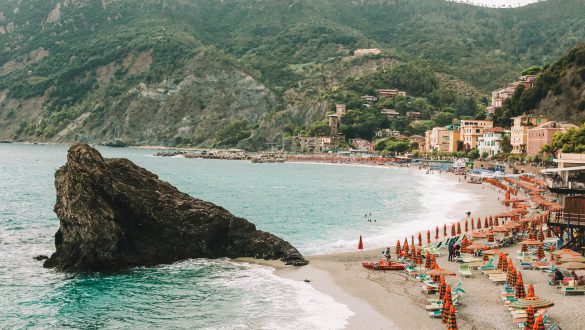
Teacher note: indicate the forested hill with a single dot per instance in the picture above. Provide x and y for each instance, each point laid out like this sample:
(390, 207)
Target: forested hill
(194, 71)
(558, 92)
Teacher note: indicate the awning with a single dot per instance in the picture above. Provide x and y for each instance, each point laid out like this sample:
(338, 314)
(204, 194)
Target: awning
(556, 170)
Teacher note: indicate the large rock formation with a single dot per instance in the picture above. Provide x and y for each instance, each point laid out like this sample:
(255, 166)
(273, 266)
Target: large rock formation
(115, 215)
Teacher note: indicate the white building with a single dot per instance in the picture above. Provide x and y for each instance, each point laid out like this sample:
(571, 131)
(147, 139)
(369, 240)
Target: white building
(491, 141)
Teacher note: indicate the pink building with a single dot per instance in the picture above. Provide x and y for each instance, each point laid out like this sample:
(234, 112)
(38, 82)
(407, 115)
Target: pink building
(543, 134)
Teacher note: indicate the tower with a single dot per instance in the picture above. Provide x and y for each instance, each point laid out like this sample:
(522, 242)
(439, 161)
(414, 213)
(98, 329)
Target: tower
(333, 124)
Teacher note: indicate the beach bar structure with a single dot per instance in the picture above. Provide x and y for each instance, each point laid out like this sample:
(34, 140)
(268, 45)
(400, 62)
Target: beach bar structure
(567, 181)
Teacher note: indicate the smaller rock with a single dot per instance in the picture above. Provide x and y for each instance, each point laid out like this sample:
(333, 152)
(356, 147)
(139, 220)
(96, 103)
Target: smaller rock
(41, 257)
(307, 281)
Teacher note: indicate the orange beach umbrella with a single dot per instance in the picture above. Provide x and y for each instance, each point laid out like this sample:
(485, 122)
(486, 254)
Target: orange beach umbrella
(360, 244)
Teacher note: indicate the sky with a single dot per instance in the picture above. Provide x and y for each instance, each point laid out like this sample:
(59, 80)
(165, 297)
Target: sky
(499, 3)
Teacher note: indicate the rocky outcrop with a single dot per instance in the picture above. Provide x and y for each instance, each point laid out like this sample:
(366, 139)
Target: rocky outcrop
(114, 214)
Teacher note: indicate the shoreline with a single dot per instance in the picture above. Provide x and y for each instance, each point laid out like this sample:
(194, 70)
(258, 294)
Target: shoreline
(384, 300)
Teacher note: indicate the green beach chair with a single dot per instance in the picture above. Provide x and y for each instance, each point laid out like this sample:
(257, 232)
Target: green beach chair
(465, 271)
(489, 266)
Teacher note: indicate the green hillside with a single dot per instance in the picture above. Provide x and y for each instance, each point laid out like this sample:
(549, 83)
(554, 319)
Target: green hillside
(180, 72)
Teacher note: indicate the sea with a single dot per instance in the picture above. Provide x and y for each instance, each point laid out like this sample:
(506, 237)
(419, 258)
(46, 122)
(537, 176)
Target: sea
(319, 208)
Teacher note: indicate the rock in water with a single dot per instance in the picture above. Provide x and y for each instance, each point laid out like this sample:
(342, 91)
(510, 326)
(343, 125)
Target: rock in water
(114, 215)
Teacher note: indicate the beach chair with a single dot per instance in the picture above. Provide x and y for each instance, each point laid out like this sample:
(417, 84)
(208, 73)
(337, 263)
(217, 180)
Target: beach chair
(436, 314)
(489, 266)
(465, 271)
(570, 290)
(458, 288)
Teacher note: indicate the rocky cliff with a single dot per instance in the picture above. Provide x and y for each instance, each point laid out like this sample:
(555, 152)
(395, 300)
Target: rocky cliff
(114, 215)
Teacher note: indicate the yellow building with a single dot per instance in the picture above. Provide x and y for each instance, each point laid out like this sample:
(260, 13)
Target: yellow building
(440, 139)
(454, 136)
(519, 131)
(471, 130)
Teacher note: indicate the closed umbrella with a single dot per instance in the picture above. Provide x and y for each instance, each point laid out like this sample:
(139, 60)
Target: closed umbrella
(540, 252)
(419, 239)
(519, 292)
(466, 225)
(459, 228)
(445, 230)
(529, 323)
(478, 223)
(412, 251)
(491, 222)
(530, 294)
(511, 278)
(428, 260)
(360, 244)
(524, 248)
(442, 287)
(398, 248)
(496, 222)
(445, 312)
(428, 237)
(437, 233)
(538, 324)
(505, 265)
(453, 231)
(540, 236)
(491, 237)
(472, 224)
(452, 323)
(486, 223)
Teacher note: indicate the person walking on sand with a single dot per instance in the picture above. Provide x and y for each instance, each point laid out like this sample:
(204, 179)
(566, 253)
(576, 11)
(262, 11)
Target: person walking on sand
(451, 250)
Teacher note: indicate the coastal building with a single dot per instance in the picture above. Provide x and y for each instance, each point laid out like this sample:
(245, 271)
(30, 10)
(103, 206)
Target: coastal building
(505, 93)
(340, 109)
(454, 137)
(333, 123)
(419, 139)
(491, 141)
(439, 139)
(542, 135)
(390, 113)
(366, 51)
(390, 92)
(362, 145)
(314, 144)
(413, 115)
(369, 99)
(519, 131)
(471, 130)
(428, 136)
(386, 133)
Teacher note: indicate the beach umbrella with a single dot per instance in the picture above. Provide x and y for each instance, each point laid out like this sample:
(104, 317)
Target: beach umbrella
(536, 303)
(428, 260)
(452, 323)
(478, 223)
(500, 261)
(519, 292)
(405, 247)
(398, 248)
(477, 246)
(538, 324)
(552, 248)
(477, 234)
(491, 237)
(511, 278)
(445, 312)
(439, 271)
(548, 232)
(524, 248)
(530, 294)
(453, 231)
(507, 199)
(505, 265)
(433, 262)
(496, 222)
(540, 252)
(437, 233)
(531, 235)
(360, 244)
(428, 237)
(466, 225)
(540, 236)
(572, 258)
(419, 257)
(501, 229)
(493, 252)
(530, 242)
(442, 287)
(459, 228)
(412, 240)
(485, 222)
(445, 230)
(491, 221)
(472, 224)
(419, 239)
(573, 266)
(412, 252)
(529, 323)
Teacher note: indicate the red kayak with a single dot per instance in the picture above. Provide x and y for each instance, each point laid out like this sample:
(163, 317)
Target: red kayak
(383, 265)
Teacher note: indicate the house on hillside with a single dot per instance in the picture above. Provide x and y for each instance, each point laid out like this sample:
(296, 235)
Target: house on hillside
(542, 135)
(390, 92)
(362, 145)
(366, 51)
(413, 115)
(368, 99)
(390, 113)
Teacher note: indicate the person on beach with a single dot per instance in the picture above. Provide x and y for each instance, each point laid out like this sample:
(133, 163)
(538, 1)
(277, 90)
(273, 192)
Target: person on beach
(451, 250)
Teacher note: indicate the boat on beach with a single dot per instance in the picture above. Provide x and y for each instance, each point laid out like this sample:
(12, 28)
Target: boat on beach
(384, 265)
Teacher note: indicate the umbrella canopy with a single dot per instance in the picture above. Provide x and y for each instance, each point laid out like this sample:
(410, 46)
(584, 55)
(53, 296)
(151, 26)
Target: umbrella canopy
(398, 248)
(442, 287)
(530, 294)
(491, 237)
(569, 258)
(445, 230)
(530, 242)
(428, 237)
(445, 311)
(573, 266)
(491, 222)
(478, 234)
(459, 228)
(466, 225)
(360, 244)
(453, 231)
(477, 246)
(502, 229)
(437, 233)
(440, 272)
(478, 223)
(496, 222)
(529, 323)
(537, 303)
(485, 222)
(419, 239)
(472, 224)
(540, 235)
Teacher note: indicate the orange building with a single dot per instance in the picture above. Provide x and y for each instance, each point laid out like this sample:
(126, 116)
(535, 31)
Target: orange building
(471, 130)
(542, 135)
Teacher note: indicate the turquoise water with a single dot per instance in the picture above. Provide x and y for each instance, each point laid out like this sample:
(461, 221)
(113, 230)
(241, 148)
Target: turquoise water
(318, 208)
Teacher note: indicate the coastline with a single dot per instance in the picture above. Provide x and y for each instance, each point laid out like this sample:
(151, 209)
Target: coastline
(386, 300)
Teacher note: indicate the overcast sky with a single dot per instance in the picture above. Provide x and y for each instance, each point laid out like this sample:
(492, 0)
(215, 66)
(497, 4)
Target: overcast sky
(499, 3)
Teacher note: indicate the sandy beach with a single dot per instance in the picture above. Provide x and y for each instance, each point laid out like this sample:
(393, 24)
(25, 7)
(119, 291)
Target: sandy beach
(394, 300)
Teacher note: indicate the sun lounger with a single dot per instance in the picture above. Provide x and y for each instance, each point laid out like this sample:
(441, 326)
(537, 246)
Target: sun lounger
(489, 266)
(569, 290)
(465, 271)
(435, 313)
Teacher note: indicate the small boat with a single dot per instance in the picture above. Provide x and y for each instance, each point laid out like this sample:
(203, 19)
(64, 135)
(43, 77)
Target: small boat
(383, 265)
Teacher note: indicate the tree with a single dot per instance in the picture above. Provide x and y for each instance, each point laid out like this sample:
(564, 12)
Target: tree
(231, 134)
(535, 69)
(485, 155)
(444, 118)
(320, 128)
(473, 154)
(506, 144)
(572, 141)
